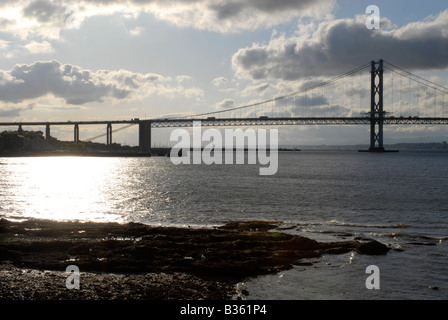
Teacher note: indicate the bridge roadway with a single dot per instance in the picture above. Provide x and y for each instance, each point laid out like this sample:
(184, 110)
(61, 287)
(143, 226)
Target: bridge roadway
(261, 121)
(145, 126)
(164, 123)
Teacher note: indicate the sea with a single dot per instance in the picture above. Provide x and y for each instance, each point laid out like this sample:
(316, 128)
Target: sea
(399, 199)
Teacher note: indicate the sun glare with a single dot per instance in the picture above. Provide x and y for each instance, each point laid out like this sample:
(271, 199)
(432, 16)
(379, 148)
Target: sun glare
(67, 188)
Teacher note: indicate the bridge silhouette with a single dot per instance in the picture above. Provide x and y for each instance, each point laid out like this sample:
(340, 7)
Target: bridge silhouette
(342, 100)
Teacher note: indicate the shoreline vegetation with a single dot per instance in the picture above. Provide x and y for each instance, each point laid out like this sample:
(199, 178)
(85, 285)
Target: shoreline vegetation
(134, 261)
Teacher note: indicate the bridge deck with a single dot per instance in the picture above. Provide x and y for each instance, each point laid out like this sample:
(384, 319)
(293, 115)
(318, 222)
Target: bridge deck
(165, 123)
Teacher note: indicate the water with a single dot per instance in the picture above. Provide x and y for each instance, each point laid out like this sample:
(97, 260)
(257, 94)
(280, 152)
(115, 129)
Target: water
(399, 199)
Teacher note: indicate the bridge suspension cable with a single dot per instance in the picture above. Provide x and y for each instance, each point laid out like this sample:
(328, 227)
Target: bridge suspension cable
(415, 77)
(319, 85)
(429, 97)
(405, 94)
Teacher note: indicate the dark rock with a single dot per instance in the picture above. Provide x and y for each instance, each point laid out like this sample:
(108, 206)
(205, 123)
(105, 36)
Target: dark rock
(423, 243)
(373, 247)
(301, 243)
(304, 263)
(433, 288)
(233, 252)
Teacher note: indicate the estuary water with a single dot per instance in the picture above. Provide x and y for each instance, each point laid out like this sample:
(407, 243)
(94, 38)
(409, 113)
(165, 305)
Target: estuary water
(400, 199)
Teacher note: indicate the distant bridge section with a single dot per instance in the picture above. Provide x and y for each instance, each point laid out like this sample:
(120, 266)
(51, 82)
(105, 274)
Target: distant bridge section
(265, 121)
(419, 96)
(145, 126)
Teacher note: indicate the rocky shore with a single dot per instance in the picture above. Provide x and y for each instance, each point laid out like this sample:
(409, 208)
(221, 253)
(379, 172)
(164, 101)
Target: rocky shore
(136, 261)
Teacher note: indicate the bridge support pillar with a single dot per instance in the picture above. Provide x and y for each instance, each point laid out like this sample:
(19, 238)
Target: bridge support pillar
(76, 133)
(109, 134)
(47, 132)
(144, 136)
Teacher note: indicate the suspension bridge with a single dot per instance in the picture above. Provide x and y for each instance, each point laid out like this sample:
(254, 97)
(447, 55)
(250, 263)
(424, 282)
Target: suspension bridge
(357, 97)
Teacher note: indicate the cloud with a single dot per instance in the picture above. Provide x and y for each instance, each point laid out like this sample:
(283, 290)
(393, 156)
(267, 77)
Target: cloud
(237, 15)
(39, 47)
(136, 31)
(257, 89)
(44, 11)
(219, 81)
(226, 16)
(78, 86)
(225, 104)
(14, 112)
(337, 46)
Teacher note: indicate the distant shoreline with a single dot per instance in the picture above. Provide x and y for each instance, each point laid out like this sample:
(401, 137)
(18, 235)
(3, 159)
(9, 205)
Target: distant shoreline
(165, 152)
(87, 153)
(74, 154)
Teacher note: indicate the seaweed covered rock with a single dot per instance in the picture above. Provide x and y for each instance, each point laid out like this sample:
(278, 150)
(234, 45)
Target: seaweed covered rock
(234, 251)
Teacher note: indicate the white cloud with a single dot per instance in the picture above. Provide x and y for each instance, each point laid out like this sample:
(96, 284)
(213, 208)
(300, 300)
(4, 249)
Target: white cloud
(78, 86)
(136, 31)
(39, 47)
(219, 81)
(3, 44)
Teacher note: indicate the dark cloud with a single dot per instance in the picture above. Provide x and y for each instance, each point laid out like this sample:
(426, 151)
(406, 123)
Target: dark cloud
(342, 45)
(228, 9)
(44, 11)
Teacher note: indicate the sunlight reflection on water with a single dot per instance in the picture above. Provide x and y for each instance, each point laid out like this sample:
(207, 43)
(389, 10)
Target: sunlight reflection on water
(325, 196)
(69, 188)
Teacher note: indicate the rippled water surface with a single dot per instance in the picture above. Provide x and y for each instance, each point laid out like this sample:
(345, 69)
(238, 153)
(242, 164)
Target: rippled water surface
(397, 198)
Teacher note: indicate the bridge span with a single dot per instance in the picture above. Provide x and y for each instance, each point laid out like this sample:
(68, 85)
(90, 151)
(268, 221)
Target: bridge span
(146, 126)
(430, 99)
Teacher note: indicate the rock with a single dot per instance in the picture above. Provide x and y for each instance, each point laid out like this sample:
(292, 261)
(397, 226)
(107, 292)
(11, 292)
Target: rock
(422, 243)
(301, 243)
(373, 247)
(226, 254)
(433, 288)
(304, 263)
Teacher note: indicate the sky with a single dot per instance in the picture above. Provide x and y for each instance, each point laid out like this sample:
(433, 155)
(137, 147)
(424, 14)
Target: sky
(122, 59)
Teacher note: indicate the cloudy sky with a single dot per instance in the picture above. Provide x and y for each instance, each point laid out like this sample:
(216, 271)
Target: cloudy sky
(122, 59)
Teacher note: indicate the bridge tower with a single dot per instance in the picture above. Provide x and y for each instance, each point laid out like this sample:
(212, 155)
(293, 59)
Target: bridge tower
(376, 107)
